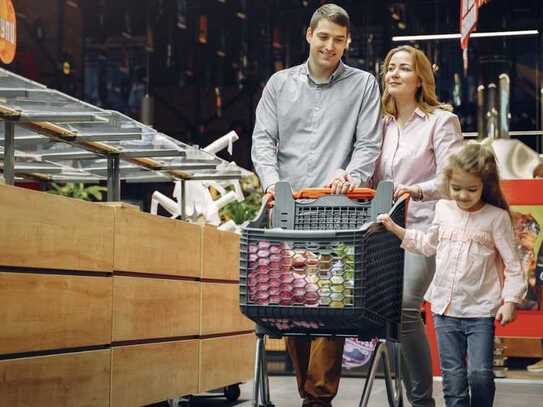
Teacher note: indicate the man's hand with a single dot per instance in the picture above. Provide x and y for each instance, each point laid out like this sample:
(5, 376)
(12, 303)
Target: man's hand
(342, 183)
(506, 313)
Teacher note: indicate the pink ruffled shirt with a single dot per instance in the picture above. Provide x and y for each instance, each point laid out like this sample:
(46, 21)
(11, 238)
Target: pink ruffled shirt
(417, 152)
(477, 264)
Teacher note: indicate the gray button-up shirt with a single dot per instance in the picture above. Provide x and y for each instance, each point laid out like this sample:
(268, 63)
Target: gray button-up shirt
(305, 131)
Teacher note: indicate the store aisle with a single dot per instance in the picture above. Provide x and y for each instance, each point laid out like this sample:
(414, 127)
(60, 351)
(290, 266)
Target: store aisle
(283, 392)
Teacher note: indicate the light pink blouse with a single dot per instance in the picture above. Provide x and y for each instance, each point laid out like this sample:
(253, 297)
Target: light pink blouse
(417, 152)
(477, 265)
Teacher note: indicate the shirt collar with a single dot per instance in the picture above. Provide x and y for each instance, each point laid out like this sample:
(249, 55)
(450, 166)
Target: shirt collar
(418, 111)
(335, 75)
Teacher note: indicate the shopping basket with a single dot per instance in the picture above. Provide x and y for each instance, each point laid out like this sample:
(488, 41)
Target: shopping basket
(317, 264)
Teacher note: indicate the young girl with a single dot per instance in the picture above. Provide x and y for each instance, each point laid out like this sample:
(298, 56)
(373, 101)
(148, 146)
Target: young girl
(472, 238)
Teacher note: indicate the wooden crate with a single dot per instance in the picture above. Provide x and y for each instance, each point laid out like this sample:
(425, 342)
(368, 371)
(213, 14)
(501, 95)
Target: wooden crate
(276, 345)
(42, 230)
(220, 254)
(220, 310)
(146, 243)
(74, 379)
(145, 308)
(43, 312)
(145, 374)
(226, 360)
(523, 347)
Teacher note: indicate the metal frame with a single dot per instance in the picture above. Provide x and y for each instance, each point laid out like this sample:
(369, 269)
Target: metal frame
(53, 117)
(386, 352)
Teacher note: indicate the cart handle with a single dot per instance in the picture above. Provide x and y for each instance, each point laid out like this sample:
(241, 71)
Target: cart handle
(314, 193)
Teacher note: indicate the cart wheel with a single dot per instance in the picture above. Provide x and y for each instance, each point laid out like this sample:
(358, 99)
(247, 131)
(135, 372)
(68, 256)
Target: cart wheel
(180, 401)
(232, 392)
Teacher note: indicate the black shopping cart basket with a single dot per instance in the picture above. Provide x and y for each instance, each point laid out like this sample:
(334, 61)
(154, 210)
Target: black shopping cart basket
(317, 264)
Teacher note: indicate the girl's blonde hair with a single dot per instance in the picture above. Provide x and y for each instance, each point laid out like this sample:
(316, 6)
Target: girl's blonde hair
(425, 97)
(478, 160)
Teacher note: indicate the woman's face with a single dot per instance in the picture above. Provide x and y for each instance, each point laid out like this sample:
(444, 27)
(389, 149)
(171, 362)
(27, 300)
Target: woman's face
(400, 78)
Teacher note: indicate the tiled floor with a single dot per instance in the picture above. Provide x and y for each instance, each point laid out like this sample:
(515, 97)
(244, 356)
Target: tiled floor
(521, 393)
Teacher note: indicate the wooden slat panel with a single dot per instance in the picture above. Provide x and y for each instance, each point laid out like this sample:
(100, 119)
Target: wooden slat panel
(146, 243)
(220, 254)
(47, 231)
(275, 345)
(41, 312)
(220, 310)
(145, 308)
(226, 360)
(523, 347)
(66, 380)
(145, 374)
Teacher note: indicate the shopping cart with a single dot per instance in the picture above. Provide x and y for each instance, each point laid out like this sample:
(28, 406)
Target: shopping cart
(317, 264)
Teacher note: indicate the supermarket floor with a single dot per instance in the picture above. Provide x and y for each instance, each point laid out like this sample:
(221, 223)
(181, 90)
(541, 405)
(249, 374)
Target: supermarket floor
(509, 393)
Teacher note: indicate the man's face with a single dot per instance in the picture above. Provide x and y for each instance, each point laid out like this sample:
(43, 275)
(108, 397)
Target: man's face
(327, 42)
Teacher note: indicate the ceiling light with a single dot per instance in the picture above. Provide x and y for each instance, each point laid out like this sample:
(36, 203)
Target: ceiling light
(401, 38)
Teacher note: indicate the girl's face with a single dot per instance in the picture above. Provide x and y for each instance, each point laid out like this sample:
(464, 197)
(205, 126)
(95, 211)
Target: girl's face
(400, 77)
(466, 189)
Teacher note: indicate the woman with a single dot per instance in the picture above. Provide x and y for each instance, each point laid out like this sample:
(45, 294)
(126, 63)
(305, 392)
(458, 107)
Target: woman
(419, 133)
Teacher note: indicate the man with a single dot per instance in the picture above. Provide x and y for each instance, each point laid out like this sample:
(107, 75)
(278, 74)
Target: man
(318, 124)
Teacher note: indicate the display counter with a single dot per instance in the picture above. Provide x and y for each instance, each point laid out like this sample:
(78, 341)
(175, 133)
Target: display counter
(102, 305)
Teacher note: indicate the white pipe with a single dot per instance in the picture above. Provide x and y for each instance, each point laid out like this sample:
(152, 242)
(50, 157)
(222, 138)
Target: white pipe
(169, 204)
(224, 200)
(223, 142)
(229, 226)
(401, 38)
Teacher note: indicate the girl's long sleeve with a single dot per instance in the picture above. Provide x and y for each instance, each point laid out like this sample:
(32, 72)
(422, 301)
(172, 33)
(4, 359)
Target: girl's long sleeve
(514, 285)
(420, 242)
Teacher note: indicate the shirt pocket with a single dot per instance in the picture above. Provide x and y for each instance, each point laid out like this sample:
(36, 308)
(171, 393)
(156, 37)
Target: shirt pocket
(480, 257)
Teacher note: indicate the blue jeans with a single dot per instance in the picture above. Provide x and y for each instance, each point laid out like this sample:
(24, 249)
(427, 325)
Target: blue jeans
(456, 338)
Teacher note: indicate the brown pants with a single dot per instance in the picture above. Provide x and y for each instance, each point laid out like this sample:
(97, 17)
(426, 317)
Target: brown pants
(318, 368)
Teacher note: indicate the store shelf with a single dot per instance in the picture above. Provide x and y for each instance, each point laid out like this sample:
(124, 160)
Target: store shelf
(51, 136)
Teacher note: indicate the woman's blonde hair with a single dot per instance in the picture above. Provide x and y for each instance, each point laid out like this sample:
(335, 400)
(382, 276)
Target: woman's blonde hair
(478, 160)
(425, 97)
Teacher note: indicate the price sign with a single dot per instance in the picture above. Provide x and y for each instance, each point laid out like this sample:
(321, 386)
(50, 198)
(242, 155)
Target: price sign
(8, 31)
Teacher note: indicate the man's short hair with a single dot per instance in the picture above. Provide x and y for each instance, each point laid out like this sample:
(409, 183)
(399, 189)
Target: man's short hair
(332, 12)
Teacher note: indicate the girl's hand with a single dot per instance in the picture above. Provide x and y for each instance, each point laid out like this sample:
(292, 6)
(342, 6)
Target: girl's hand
(506, 313)
(387, 221)
(391, 226)
(414, 191)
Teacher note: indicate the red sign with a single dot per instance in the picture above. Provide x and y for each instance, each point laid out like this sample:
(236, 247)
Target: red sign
(8, 31)
(469, 10)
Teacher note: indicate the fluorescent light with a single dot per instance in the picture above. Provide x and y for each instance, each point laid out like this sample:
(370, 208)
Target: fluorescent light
(401, 38)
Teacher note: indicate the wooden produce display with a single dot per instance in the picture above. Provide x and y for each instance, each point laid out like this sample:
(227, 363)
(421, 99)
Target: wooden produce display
(102, 305)
(224, 330)
(56, 262)
(150, 244)
(156, 308)
(147, 373)
(45, 231)
(71, 379)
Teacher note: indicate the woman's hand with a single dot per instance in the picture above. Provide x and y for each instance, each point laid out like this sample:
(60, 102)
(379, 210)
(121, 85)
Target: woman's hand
(415, 191)
(506, 313)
